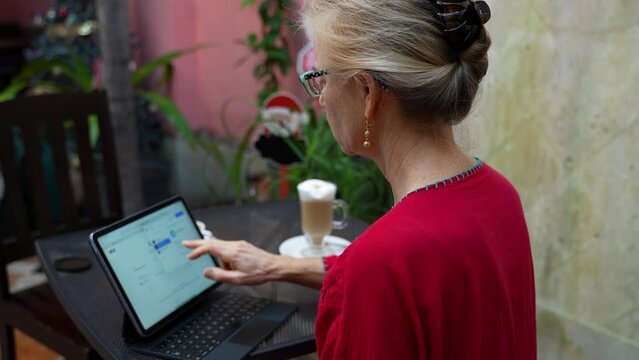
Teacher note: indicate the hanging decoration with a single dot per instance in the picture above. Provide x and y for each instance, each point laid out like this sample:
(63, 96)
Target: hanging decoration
(282, 116)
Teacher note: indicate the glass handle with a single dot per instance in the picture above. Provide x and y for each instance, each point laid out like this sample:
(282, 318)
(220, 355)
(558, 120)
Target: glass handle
(340, 224)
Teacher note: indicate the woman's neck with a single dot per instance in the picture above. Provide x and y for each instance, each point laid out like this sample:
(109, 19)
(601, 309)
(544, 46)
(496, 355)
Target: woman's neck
(411, 158)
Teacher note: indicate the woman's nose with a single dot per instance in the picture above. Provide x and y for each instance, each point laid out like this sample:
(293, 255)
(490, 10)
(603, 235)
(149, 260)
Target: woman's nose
(321, 99)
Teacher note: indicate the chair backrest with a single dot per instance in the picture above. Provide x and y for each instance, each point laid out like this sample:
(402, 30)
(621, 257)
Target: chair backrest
(57, 177)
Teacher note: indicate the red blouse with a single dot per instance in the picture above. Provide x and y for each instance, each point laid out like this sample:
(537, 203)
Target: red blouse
(446, 274)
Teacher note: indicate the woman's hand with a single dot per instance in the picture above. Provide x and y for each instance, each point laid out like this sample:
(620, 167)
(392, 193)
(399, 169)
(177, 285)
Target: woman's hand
(242, 263)
(245, 264)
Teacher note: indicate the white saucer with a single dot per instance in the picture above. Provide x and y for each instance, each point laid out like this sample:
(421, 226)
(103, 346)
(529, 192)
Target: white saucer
(294, 246)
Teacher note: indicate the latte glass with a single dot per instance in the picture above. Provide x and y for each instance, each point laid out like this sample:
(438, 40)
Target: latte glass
(317, 205)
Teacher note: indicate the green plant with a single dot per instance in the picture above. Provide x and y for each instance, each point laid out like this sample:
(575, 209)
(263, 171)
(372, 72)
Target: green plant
(270, 44)
(274, 59)
(70, 73)
(359, 180)
(234, 169)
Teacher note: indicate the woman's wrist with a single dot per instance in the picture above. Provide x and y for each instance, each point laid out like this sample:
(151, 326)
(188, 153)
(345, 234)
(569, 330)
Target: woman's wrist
(309, 272)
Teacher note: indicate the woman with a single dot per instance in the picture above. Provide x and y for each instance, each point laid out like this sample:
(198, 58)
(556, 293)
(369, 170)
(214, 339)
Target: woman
(447, 273)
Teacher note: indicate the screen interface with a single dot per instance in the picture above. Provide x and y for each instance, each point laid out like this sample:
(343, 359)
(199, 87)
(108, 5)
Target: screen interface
(150, 262)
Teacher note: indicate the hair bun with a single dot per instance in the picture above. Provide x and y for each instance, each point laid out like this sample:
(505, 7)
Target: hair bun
(462, 20)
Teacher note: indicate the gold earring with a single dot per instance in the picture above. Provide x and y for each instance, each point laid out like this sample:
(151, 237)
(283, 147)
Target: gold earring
(367, 132)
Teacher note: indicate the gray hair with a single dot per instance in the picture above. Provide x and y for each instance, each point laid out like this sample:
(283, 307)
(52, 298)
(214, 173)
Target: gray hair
(403, 45)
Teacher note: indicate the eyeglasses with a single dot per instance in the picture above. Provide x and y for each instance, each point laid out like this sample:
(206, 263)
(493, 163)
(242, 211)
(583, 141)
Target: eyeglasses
(314, 82)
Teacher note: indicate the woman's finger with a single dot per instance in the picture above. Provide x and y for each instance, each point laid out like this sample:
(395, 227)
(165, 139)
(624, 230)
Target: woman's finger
(228, 276)
(192, 244)
(198, 251)
(219, 248)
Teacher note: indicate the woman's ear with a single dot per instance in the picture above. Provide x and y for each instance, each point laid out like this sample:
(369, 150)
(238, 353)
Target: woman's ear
(372, 94)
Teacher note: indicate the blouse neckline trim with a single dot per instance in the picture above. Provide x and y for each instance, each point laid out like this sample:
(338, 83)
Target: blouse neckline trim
(449, 181)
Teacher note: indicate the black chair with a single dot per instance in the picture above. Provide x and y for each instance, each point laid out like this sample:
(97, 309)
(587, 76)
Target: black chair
(13, 42)
(45, 143)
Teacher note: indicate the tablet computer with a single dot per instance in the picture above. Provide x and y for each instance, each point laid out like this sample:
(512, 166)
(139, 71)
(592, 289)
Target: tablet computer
(147, 265)
(160, 290)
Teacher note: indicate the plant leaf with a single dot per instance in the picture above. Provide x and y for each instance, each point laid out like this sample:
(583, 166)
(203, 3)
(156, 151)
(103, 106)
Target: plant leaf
(275, 21)
(149, 68)
(40, 66)
(56, 67)
(170, 110)
(263, 10)
(94, 130)
(235, 173)
(166, 76)
(296, 148)
(13, 89)
(211, 148)
(79, 71)
(246, 3)
(252, 42)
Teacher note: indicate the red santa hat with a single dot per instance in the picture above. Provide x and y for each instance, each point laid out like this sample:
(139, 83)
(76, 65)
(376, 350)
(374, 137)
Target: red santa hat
(282, 99)
(283, 114)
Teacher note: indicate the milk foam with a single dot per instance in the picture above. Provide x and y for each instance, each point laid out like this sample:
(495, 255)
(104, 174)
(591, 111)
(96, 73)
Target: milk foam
(314, 189)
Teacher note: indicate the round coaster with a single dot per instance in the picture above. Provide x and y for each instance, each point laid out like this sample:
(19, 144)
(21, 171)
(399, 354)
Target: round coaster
(72, 264)
(294, 246)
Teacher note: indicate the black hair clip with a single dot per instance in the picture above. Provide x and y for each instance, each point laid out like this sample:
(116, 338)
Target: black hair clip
(462, 20)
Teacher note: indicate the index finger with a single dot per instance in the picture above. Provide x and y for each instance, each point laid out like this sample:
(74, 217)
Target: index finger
(192, 244)
(215, 247)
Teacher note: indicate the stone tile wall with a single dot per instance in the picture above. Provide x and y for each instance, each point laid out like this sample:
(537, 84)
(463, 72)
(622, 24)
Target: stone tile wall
(559, 116)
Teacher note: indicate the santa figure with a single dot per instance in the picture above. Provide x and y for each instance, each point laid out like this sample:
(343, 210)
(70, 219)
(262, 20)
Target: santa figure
(283, 116)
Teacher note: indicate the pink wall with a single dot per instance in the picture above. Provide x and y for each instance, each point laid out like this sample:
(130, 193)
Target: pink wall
(21, 11)
(210, 79)
(207, 81)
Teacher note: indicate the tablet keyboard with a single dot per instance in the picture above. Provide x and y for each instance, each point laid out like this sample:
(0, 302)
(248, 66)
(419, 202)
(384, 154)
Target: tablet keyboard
(208, 328)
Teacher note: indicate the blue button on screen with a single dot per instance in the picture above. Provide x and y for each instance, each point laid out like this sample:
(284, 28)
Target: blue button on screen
(162, 244)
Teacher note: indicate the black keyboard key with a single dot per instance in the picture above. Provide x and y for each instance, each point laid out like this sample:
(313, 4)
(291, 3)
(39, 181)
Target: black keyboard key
(203, 333)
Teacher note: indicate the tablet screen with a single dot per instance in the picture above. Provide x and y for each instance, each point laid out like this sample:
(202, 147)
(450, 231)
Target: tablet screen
(150, 263)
